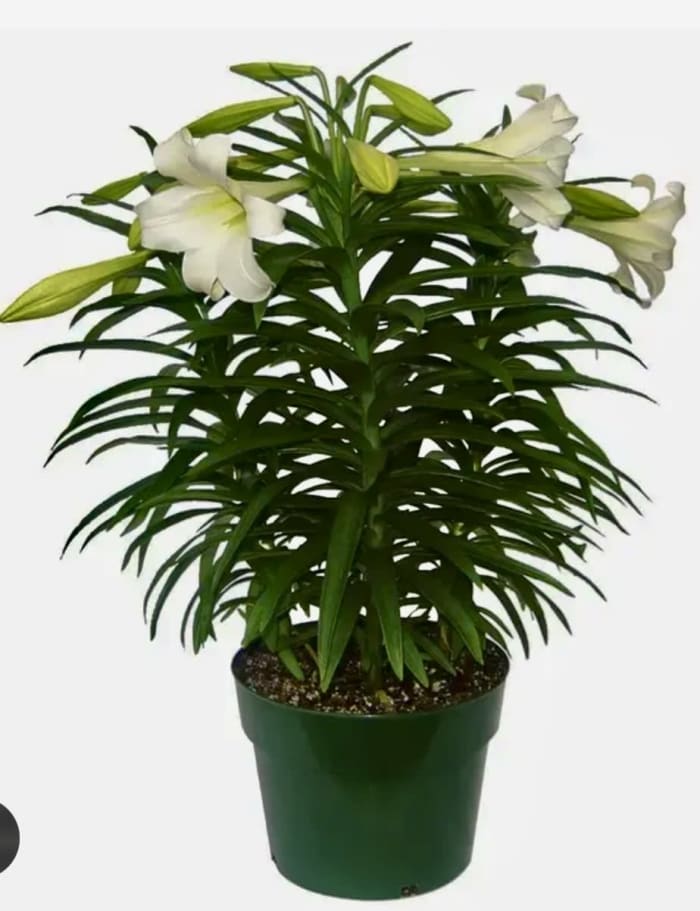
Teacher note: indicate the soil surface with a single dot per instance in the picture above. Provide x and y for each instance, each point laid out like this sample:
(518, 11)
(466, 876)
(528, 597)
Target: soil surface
(263, 673)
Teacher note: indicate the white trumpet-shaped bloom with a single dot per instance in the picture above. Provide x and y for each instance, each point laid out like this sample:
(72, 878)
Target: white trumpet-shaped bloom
(533, 148)
(210, 218)
(643, 243)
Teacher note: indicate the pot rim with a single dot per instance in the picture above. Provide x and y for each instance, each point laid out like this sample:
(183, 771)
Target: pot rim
(355, 716)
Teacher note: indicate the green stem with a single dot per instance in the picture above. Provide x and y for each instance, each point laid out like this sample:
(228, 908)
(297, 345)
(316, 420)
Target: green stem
(360, 128)
(372, 456)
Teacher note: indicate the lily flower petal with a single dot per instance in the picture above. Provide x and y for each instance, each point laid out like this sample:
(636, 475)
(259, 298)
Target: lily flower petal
(199, 269)
(209, 158)
(172, 159)
(265, 219)
(535, 91)
(545, 207)
(239, 272)
(185, 218)
(527, 134)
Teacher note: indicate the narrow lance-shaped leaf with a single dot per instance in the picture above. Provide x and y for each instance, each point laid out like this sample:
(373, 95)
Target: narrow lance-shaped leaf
(387, 603)
(94, 218)
(344, 538)
(287, 572)
(210, 583)
(458, 615)
(413, 658)
(116, 189)
(346, 618)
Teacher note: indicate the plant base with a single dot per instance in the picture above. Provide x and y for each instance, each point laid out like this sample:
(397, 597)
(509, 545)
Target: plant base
(374, 806)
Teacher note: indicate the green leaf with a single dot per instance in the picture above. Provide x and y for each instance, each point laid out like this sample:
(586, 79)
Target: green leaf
(413, 658)
(386, 601)
(288, 570)
(404, 257)
(146, 136)
(259, 308)
(410, 311)
(511, 611)
(65, 290)
(433, 651)
(234, 116)
(211, 587)
(344, 619)
(379, 61)
(455, 549)
(268, 436)
(290, 661)
(117, 189)
(344, 538)
(94, 218)
(458, 615)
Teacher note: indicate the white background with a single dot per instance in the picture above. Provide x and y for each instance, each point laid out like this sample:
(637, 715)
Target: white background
(123, 760)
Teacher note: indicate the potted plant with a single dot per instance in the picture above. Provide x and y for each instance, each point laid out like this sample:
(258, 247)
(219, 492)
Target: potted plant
(360, 426)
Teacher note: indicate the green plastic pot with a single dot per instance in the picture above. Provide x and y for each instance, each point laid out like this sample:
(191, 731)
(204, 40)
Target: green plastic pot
(369, 806)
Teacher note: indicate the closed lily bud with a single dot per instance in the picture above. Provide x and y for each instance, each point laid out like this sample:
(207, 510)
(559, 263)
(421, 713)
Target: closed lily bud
(234, 116)
(64, 290)
(272, 72)
(128, 284)
(134, 239)
(421, 114)
(596, 204)
(376, 171)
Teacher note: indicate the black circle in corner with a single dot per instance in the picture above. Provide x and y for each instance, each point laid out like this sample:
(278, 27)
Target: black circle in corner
(9, 838)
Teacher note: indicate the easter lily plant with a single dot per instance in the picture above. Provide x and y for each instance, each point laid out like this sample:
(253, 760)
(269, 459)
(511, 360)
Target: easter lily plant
(363, 443)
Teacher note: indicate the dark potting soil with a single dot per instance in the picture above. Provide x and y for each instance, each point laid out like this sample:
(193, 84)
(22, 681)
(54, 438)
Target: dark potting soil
(263, 673)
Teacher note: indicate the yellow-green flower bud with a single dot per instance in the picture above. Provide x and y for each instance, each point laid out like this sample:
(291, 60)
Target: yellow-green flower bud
(134, 239)
(420, 113)
(65, 290)
(234, 116)
(127, 284)
(272, 72)
(376, 171)
(596, 204)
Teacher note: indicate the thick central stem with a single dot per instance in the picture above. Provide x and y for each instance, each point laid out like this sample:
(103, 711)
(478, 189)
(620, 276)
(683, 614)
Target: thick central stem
(373, 458)
(372, 455)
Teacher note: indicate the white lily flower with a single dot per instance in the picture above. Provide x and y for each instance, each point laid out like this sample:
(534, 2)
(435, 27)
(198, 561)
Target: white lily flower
(210, 218)
(533, 147)
(644, 243)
